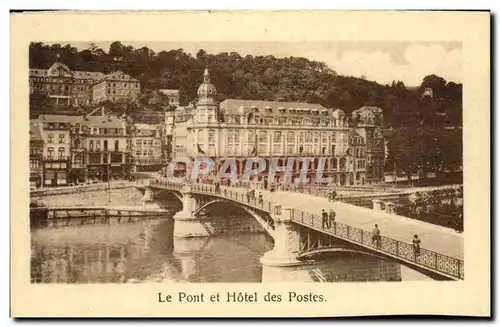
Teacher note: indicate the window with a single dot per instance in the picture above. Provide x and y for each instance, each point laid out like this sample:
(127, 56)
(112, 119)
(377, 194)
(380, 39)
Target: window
(251, 137)
(61, 138)
(117, 143)
(61, 153)
(78, 159)
(277, 137)
(211, 136)
(50, 152)
(50, 138)
(150, 142)
(236, 136)
(323, 138)
(105, 145)
(145, 153)
(116, 157)
(138, 153)
(138, 142)
(91, 145)
(308, 137)
(98, 145)
(290, 137)
(316, 137)
(263, 137)
(34, 164)
(94, 158)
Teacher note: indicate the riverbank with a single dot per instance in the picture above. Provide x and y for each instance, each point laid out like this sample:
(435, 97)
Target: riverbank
(80, 188)
(69, 216)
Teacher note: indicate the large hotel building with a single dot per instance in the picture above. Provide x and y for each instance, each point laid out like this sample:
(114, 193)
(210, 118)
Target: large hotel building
(353, 148)
(73, 88)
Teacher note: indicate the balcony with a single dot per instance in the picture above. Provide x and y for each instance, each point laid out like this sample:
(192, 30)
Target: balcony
(55, 159)
(78, 150)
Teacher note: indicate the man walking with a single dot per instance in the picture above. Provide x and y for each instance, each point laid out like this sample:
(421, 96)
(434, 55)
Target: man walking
(416, 246)
(376, 236)
(331, 218)
(324, 219)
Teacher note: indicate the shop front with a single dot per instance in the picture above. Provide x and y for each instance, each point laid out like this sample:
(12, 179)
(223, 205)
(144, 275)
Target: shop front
(35, 179)
(56, 174)
(97, 173)
(77, 175)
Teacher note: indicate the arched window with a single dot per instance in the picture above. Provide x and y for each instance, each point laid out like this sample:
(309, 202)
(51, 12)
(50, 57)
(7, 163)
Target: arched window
(262, 137)
(61, 152)
(342, 163)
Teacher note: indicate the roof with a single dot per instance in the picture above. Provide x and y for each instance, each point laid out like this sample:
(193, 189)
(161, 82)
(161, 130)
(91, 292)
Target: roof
(35, 133)
(118, 76)
(236, 106)
(142, 126)
(76, 74)
(353, 133)
(110, 121)
(169, 91)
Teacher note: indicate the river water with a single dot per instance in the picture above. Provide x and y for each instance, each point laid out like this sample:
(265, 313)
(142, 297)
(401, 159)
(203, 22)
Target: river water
(146, 251)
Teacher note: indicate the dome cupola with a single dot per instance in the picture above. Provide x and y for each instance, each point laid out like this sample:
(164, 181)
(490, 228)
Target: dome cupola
(206, 91)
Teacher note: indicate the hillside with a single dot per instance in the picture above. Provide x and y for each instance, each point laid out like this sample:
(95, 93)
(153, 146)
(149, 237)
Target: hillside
(263, 78)
(419, 141)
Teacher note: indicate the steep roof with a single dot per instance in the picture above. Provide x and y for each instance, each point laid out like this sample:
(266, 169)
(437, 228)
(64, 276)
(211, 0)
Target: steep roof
(76, 74)
(169, 91)
(237, 106)
(118, 76)
(110, 121)
(143, 126)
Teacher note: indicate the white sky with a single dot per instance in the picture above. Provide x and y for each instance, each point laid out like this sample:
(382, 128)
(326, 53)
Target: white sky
(382, 62)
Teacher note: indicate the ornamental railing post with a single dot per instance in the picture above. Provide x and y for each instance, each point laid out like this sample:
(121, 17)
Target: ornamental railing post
(348, 228)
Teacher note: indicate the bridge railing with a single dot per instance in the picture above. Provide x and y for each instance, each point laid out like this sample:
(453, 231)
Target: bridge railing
(166, 184)
(235, 195)
(427, 258)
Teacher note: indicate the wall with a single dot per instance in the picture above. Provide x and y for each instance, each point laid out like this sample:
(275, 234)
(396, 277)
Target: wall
(129, 196)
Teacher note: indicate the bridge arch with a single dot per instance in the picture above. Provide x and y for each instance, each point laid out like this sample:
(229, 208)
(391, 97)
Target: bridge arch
(176, 194)
(263, 218)
(311, 253)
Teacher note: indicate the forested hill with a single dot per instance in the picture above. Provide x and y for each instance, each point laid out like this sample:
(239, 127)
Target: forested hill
(263, 78)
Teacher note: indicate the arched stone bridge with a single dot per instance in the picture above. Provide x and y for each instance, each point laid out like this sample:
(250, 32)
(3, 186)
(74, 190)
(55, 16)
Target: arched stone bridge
(299, 235)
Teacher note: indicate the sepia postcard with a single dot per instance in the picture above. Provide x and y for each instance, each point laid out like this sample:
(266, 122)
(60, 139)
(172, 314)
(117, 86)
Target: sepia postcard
(258, 164)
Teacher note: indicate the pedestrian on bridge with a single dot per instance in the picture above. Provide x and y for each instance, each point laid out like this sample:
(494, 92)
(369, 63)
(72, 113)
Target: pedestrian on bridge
(376, 238)
(324, 219)
(331, 218)
(416, 246)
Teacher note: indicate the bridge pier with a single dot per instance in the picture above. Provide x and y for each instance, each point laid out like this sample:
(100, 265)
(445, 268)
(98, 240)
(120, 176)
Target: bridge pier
(186, 224)
(281, 263)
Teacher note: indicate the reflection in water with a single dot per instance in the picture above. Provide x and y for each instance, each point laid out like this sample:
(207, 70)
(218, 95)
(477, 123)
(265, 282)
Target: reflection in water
(143, 252)
(146, 251)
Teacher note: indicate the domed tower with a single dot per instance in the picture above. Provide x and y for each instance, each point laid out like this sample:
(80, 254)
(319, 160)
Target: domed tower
(207, 106)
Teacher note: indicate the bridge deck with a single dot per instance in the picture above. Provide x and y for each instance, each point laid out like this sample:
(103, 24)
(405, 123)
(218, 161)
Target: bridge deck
(435, 238)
